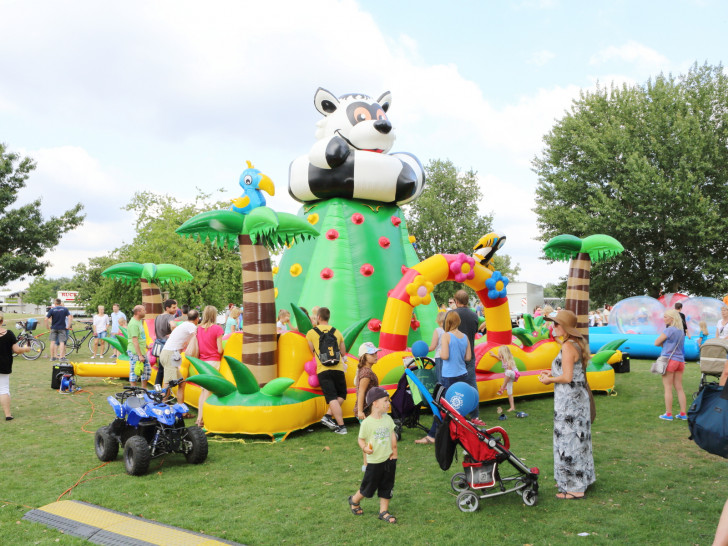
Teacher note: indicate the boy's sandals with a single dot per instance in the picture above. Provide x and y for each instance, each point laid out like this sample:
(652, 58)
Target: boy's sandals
(355, 507)
(386, 516)
(425, 440)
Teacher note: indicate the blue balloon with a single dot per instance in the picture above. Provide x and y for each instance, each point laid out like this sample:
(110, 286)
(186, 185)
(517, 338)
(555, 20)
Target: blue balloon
(420, 349)
(462, 397)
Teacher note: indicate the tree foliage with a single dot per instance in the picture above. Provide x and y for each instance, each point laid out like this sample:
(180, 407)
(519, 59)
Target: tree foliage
(446, 219)
(216, 271)
(25, 236)
(43, 291)
(648, 165)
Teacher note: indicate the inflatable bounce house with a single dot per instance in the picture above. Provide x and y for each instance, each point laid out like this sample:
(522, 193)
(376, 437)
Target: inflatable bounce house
(638, 322)
(347, 249)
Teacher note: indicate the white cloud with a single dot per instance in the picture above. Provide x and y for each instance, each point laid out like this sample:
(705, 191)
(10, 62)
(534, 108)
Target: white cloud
(540, 58)
(632, 52)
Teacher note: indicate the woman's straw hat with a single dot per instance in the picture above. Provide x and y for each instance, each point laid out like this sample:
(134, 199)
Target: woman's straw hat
(567, 320)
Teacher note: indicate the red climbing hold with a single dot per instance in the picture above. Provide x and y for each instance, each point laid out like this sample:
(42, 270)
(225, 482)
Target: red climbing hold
(366, 270)
(384, 242)
(357, 218)
(396, 221)
(332, 234)
(326, 273)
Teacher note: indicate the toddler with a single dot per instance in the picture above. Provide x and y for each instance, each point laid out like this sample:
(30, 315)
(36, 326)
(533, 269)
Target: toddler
(378, 441)
(510, 371)
(284, 321)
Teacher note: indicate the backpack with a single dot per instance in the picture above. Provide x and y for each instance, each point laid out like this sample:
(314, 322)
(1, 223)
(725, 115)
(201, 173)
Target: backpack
(328, 353)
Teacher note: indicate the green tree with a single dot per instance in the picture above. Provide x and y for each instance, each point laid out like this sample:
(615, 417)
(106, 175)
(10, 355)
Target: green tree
(648, 165)
(42, 291)
(26, 237)
(554, 290)
(216, 271)
(446, 219)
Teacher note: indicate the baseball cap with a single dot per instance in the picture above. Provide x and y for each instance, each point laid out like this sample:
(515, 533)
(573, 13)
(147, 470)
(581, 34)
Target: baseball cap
(374, 394)
(367, 348)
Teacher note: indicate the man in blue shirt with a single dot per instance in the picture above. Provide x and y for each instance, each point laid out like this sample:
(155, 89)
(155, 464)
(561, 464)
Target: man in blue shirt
(58, 320)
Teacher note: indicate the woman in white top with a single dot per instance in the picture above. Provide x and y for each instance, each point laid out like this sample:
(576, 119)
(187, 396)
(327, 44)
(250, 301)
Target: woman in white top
(721, 329)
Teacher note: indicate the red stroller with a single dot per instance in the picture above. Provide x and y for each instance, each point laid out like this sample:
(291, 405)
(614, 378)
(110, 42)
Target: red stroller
(486, 451)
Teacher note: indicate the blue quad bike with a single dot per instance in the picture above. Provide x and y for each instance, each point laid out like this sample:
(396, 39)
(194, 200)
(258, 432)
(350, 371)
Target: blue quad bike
(147, 427)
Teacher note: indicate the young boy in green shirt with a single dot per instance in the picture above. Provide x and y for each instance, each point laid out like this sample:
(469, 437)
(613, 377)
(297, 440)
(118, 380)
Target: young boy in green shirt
(378, 441)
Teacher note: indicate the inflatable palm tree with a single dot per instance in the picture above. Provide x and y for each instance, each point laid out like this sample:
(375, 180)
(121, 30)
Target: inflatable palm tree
(150, 275)
(253, 233)
(581, 252)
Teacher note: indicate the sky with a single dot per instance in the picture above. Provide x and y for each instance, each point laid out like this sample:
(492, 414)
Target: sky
(170, 96)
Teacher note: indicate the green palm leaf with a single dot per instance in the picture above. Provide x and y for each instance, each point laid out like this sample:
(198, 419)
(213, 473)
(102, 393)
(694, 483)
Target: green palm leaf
(351, 333)
(203, 367)
(303, 321)
(244, 378)
(220, 227)
(562, 247)
(277, 230)
(277, 387)
(601, 247)
(126, 272)
(218, 385)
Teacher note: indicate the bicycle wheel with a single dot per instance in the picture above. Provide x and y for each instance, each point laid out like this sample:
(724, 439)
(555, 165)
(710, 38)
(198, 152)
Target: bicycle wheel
(103, 348)
(71, 344)
(36, 349)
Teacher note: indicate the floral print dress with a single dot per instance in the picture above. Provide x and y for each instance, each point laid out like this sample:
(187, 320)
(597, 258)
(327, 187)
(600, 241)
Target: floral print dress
(573, 459)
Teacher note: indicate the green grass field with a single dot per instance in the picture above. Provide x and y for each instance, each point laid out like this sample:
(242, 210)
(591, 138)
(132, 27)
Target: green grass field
(653, 484)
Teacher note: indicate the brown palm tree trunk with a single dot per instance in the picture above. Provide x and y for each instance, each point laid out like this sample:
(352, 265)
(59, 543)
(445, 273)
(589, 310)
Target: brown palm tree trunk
(151, 299)
(577, 292)
(259, 311)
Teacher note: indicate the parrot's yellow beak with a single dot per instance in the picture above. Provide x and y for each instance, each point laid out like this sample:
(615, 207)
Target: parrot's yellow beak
(266, 184)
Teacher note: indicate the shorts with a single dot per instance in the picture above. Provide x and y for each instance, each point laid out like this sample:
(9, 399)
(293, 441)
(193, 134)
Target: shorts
(379, 478)
(4, 383)
(675, 366)
(171, 368)
(146, 370)
(58, 336)
(100, 335)
(333, 384)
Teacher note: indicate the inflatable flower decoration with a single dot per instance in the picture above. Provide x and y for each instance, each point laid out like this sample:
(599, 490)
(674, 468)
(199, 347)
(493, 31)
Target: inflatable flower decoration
(496, 285)
(419, 291)
(462, 266)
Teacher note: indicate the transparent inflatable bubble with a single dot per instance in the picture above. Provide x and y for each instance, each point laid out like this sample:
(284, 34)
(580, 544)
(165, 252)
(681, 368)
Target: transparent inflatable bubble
(697, 309)
(637, 315)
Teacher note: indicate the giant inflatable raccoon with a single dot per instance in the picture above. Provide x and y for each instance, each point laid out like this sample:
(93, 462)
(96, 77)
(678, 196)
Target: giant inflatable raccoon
(350, 157)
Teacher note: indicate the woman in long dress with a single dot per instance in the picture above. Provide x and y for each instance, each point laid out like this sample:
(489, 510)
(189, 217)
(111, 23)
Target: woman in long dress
(573, 459)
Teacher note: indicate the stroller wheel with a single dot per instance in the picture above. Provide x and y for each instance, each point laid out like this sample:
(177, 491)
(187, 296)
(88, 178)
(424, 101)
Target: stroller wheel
(467, 501)
(530, 497)
(459, 483)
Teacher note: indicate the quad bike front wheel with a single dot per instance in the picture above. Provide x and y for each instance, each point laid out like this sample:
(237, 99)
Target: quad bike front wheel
(107, 447)
(137, 456)
(195, 445)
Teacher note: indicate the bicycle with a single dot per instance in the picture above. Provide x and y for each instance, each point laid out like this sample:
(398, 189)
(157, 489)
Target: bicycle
(26, 337)
(73, 343)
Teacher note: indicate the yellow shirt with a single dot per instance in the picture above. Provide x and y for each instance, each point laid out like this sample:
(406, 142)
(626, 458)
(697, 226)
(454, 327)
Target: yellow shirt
(313, 338)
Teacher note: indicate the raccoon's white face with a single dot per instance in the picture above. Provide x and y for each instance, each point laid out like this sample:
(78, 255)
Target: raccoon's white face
(362, 122)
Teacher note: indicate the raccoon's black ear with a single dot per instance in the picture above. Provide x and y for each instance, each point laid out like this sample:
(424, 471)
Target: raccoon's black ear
(325, 101)
(385, 101)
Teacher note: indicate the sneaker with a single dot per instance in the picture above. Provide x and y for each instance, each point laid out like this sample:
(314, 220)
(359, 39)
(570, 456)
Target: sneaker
(329, 421)
(341, 430)
(478, 422)
(54, 359)
(502, 417)
(666, 417)
(93, 356)
(682, 417)
(521, 414)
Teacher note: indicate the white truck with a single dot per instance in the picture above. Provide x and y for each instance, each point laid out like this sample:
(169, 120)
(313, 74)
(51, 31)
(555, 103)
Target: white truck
(523, 297)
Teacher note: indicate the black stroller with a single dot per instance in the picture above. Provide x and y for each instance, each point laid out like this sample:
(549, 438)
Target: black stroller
(405, 412)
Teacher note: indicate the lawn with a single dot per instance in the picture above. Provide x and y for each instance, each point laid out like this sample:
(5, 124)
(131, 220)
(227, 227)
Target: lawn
(653, 484)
